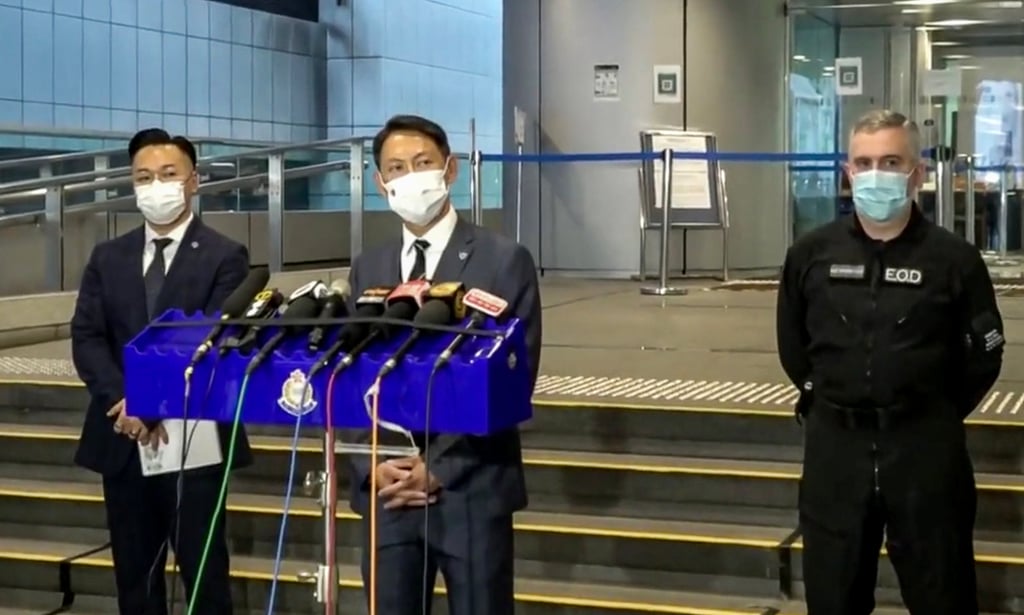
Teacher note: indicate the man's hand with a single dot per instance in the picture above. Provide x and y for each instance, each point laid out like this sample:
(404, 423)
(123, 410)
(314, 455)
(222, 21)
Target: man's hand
(128, 425)
(405, 483)
(154, 438)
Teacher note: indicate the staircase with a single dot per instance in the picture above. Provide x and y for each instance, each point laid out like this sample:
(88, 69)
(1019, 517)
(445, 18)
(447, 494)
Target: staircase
(634, 510)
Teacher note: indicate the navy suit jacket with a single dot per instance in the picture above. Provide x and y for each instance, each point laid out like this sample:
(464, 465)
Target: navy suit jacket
(486, 472)
(111, 311)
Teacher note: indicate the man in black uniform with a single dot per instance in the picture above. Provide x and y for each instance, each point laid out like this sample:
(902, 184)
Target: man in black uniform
(889, 326)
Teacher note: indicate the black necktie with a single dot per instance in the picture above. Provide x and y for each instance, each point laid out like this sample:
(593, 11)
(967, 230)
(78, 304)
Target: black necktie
(154, 278)
(419, 267)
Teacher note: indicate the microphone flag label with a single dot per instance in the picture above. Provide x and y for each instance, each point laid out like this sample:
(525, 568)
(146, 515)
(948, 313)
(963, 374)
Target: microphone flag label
(296, 396)
(485, 302)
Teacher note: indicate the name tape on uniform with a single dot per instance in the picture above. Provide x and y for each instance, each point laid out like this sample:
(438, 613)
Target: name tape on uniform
(846, 272)
(912, 277)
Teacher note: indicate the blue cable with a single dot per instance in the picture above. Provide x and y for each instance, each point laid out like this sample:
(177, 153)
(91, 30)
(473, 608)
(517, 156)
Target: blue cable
(287, 506)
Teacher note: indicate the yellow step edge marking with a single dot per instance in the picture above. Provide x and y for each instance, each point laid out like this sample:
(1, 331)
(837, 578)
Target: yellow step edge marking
(347, 515)
(96, 562)
(985, 558)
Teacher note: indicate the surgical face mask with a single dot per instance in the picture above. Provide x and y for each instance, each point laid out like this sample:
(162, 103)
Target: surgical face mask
(418, 197)
(161, 202)
(880, 196)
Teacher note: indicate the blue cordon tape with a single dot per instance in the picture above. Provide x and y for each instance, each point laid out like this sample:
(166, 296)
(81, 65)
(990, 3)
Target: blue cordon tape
(835, 157)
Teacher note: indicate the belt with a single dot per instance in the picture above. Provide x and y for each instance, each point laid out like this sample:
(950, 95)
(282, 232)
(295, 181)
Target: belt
(874, 418)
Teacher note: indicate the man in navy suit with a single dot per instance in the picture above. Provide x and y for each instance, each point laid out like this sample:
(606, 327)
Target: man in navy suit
(476, 483)
(172, 261)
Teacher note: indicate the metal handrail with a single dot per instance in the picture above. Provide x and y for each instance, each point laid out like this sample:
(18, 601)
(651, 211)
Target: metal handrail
(25, 186)
(38, 161)
(118, 204)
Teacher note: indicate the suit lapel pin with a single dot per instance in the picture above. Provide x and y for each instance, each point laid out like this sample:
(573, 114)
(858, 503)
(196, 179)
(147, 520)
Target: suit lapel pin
(195, 244)
(463, 255)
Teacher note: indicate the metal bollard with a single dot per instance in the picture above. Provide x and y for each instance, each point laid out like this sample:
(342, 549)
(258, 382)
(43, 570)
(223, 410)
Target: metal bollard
(944, 191)
(1005, 180)
(969, 204)
(476, 211)
(663, 289)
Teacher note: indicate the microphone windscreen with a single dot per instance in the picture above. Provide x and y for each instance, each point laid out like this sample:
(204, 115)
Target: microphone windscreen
(237, 302)
(434, 312)
(305, 306)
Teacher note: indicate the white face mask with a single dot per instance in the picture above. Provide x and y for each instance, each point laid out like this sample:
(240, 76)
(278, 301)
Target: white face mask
(161, 202)
(418, 197)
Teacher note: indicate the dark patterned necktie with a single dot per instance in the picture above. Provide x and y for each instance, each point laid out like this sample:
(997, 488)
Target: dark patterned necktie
(419, 267)
(155, 275)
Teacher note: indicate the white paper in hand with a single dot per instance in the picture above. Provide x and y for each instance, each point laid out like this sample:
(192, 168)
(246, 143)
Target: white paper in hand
(204, 449)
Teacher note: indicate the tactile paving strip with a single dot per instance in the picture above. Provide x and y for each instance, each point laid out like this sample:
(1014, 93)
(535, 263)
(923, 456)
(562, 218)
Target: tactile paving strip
(11, 367)
(999, 405)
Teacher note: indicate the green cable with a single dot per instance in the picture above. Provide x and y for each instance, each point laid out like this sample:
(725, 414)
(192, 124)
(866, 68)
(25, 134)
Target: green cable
(222, 497)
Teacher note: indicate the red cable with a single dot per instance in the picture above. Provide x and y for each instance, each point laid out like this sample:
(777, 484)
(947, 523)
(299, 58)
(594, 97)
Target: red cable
(333, 496)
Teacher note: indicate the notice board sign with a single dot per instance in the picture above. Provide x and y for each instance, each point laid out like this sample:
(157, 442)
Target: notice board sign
(698, 198)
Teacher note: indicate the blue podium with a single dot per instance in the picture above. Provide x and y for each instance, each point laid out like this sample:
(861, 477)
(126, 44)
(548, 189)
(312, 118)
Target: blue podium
(485, 388)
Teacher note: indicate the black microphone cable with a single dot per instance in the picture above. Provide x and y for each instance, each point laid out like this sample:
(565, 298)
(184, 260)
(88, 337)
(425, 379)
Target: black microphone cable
(186, 446)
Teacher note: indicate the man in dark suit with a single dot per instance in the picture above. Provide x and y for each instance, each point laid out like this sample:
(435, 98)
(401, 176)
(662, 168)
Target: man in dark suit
(172, 261)
(476, 483)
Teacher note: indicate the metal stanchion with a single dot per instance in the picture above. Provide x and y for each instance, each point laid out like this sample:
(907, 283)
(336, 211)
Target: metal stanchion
(943, 190)
(475, 189)
(969, 204)
(663, 289)
(519, 192)
(1005, 180)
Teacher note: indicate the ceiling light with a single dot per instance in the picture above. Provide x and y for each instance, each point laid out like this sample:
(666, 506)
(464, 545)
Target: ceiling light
(800, 58)
(911, 11)
(923, 2)
(956, 23)
(956, 57)
(945, 43)
(969, 67)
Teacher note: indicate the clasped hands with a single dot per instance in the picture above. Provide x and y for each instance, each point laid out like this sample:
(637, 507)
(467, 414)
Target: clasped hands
(135, 428)
(405, 483)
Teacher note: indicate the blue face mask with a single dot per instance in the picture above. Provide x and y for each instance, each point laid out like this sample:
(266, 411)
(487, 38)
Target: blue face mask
(880, 196)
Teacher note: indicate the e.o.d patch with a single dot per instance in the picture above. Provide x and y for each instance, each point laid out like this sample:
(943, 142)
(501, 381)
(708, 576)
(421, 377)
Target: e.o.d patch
(903, 275)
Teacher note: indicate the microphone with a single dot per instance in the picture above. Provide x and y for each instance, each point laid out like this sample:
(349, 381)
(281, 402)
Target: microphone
(452, 293)
(484, 305)
(302, 307)
(352, 336)
(333, 307)
(433, 312)
(401, 304)
(234, 306)
(264, 305)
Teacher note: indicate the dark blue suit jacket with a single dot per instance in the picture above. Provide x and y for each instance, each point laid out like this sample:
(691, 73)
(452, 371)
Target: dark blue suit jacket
(111, 311)
(485, 472)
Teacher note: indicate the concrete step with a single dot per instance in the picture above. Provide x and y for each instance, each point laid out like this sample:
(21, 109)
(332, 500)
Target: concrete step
(29, 564)
(730, 558)
(650, 486)
(587, 423)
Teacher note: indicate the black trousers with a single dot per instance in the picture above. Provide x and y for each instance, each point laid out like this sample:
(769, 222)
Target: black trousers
(474, 553)
(141, 519)
(911, 482)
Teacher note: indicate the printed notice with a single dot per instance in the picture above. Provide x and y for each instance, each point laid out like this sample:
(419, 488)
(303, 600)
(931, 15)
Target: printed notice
(606, 82)
(203, 448)
(691, 179)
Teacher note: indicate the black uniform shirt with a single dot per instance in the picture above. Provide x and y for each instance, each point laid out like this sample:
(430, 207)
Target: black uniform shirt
(865, 323)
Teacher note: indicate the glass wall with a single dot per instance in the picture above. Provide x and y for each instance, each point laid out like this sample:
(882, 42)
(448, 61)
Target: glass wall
(813, 114)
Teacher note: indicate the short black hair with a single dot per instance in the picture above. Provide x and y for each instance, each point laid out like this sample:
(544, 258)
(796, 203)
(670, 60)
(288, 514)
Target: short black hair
(411, 123)
(159, 136)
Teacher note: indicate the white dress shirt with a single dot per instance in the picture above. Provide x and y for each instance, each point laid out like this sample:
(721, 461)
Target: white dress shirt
(175, 236)
(438, 237)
